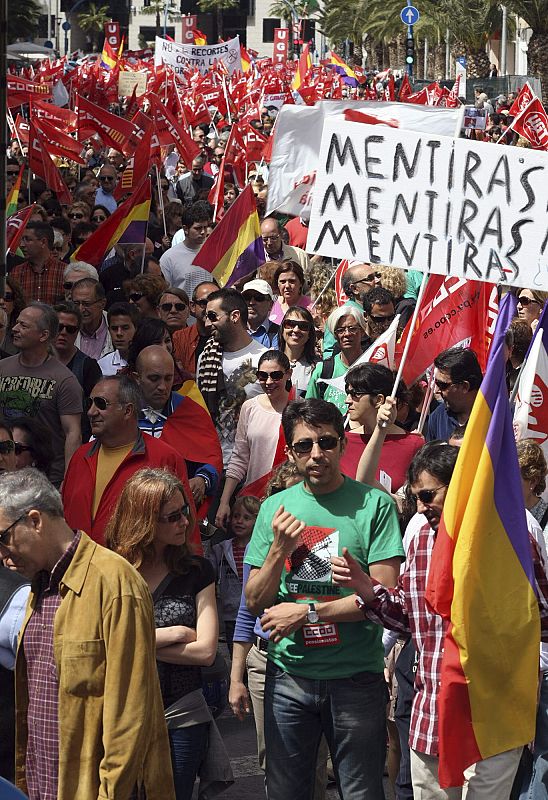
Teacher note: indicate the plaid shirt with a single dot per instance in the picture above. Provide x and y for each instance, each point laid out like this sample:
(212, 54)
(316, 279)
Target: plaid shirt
(42, 764)
(45, 286)
(403, 609)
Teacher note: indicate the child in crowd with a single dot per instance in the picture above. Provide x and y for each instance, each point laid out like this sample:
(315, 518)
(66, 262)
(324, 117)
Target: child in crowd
(227, 559)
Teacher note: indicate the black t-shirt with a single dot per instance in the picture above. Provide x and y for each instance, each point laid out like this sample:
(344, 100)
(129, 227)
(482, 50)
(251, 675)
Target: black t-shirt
(176, 605)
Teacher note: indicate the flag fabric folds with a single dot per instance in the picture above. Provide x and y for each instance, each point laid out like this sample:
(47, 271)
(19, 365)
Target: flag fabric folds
(235, 247)
(199, 37)
(13, 196)
(481, 582)
(349, 76)
(15, 227)
(126, 225)
(303, 68)
(531, 410)
(109, 57)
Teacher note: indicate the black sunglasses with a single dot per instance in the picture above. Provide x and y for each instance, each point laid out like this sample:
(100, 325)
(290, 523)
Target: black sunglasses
(427, 495)
(76, 216)
(443, 386)
(99, 219)
(301, 324)
(8, 297)
(99, 402)
(7, 447)
(136, 296)
(167, 307)
(354, 394)
(4, 533)
(213, 316)
(22, 448)
(370, 278)
(525, 301)
(305, 446)
(389, 318)
(175, 516)
(263, 376)
(259, 298)
(202, 303)
(68, 328)
(106, 178)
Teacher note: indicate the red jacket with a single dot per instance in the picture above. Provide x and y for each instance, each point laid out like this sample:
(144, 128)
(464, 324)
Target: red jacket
(79, 484)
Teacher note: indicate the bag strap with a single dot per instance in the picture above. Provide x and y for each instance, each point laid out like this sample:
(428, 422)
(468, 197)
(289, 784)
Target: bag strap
(328, 368)
(162, 586)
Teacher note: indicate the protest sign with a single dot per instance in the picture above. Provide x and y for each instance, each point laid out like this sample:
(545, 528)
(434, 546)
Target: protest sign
(202, 57)
(475, 119)
(128, 79)
(431, 203)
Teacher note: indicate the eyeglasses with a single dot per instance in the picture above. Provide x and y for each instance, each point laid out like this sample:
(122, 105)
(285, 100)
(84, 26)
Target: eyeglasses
(276, 375)
(19, 448)
(7, 447)
(525, 301)
(99, 402)
(305, 446)
(370, 278)
(76, 216)
(167, 307)
(354, 394)
(106, 178)
(136, 296)
(443, 386)
(427, 495)
(175, 516)
(301, 324)
(98, 220)
(201, 303)
(272, 238)
(213, 316)
(352, 329)
(258, 298)
(4, 533)
(68, 328)
(84, 303)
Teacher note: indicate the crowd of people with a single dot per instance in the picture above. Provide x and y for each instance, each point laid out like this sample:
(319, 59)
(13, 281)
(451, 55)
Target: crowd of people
(184, 465)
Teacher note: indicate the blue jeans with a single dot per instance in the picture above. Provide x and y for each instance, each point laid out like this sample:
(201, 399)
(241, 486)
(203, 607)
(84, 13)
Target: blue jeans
(350, 712)
(188, 747)
(538, 786)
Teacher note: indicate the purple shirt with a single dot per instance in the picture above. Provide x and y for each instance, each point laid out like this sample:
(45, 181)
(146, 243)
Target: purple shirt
(42, 763)
(93, 345)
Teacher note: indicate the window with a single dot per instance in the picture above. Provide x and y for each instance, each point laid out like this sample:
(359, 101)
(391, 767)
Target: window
(268, 28)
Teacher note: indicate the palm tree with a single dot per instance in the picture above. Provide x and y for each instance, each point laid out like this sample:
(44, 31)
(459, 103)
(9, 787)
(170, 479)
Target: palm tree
(217, 7)
(535, 14)
(285, 10)
(93, 21)
(23, 20)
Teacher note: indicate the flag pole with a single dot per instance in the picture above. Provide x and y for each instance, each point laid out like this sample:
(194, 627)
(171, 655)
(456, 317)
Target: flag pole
(324, 288)
(426, 403)
(160, 197)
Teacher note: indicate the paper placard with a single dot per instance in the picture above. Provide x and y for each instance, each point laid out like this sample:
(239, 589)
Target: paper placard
(129, 79)
(203, 57)
(432, 203)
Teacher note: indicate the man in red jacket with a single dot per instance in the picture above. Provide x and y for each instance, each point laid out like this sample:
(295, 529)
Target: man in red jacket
(98, 470)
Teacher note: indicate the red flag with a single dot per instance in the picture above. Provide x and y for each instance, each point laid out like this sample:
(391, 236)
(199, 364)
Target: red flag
(524, 97)
(418, 98)
(59, 143)
(62, 118)
(138, 165)
(452, 99)
(235, 154)
(22, 126)
(405, 89)
(254, 144)
(21, 90)
(15, 225)
(115, 132)
(41, 164)
(339, 291)
(352, 115)
(169, 130)
(389, 94)
(454, 312)
(533, 125)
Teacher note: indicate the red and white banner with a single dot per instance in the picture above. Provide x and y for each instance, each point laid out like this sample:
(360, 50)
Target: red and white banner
(525, 95)
(281, 45)
(532, 124)
(531, 410)
(189, 23)
(15, 226)
(339, 291)
(112, 34)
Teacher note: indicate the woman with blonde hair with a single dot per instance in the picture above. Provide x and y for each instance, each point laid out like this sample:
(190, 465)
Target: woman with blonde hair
(530, 305)
(149, 529)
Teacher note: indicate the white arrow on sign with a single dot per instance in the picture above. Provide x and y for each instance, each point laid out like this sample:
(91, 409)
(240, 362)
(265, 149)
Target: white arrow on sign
(409, 15)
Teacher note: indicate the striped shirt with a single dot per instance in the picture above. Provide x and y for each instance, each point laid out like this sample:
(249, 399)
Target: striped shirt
(42, 762)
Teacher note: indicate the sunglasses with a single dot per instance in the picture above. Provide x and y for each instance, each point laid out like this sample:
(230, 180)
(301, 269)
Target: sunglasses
(136, 296)
(259, 298)
(76, 216)
(167, 307)
(380, 320)
(370, 278)
(100, 403)
(201, 303)
(263, 376)
(175, 516)
(352, 329)
(68, 328)
(7, 447)
(8, 297)
(99, 219)
(300, 324)
(427, 495)
(4, 533)
(443, 386)
(213, 316)
(22, 448)
(525, 301)
(106, 178)
(305, 446)
(355, 395)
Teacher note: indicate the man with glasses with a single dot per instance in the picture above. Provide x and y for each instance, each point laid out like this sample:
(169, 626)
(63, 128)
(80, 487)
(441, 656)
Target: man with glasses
(35, 384)
(99, 469)
(189, 342)
(40, 276)
(196, 181)
(325, 670)
(457, 379)
(176, 263)
(94, 337)
(77, 271)
(358, 279)
(379, 309)
(275, 248)
(259, 298)
(85, 661)
(108, 179)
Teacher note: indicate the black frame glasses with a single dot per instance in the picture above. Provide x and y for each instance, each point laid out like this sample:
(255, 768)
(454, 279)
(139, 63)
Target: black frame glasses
(136, 296)
(443, 386)
(101, 403)
(7, 447)
(5, 532)
(275, 375)
(19, 448)
(525, 301)
(301, 324)
(70, 329)
(305, 446)
(167, 307)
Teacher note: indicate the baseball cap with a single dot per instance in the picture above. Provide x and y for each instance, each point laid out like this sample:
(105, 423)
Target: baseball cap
(259, 286)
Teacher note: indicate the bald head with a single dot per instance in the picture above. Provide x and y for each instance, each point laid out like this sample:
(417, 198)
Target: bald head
(154, 372)
(358, 280)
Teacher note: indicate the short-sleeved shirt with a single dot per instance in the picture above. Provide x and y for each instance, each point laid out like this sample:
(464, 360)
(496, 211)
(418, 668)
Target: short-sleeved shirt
(45, 392)
(176, 605)
(355, 516)
(324, 390)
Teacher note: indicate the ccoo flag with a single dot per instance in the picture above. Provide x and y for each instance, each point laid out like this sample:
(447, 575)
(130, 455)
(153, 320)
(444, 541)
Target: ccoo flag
(235, 247)
(481, 582)
(531, 411)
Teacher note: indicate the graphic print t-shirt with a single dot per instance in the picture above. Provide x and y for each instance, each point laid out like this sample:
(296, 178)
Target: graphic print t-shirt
(354, 516)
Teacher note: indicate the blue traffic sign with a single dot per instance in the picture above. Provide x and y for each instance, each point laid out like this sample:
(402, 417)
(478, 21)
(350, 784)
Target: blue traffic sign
(66, 26)
(462, 60)
(409, 15)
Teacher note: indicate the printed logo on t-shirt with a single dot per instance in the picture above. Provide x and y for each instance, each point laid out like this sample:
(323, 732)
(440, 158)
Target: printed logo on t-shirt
(311, 561)
(22, 394)
(320, 635)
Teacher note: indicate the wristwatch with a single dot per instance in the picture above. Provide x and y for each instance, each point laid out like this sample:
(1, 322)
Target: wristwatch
(312, 616)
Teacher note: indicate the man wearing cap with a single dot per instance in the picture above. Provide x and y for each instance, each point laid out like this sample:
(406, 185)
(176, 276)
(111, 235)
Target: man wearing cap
(259, 298)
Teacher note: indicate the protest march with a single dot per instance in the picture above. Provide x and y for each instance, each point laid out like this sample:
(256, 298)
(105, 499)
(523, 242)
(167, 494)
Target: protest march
(273, 442)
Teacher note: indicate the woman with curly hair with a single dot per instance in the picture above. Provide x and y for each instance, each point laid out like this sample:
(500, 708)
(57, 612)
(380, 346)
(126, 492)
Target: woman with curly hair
(149, 529)
(145, 291)
(533, 469)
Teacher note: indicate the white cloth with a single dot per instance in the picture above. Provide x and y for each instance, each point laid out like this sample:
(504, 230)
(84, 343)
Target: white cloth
(112, 363)
(177, 269)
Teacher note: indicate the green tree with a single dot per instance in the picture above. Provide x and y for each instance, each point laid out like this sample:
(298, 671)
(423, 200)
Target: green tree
(217, 7)
(535, 14)
(23, 20)
(93, 21)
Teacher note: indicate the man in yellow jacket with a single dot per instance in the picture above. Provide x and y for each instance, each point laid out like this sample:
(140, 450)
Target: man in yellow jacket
(89, 716)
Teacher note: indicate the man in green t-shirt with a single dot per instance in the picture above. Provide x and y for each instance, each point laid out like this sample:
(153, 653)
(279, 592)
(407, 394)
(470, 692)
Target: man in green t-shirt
(325, 664)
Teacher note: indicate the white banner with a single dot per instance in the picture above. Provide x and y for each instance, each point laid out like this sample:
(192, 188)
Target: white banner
(299, 129)
(432, 203)
(201, 56)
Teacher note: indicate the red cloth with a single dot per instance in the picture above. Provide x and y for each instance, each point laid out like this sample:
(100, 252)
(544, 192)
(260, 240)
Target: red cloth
(79, 484)
(396, 455)
(297, 233)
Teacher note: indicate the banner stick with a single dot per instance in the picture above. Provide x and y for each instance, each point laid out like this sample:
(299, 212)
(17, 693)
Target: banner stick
(426, 403)
(324, 288)
(160, 197)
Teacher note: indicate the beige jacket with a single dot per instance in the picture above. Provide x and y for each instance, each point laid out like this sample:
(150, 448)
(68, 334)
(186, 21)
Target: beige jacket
(112, 732)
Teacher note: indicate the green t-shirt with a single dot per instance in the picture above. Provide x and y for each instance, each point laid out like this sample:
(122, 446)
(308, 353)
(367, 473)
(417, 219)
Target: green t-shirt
(331, 394)
(354, 516)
